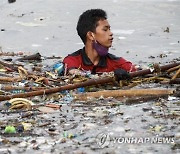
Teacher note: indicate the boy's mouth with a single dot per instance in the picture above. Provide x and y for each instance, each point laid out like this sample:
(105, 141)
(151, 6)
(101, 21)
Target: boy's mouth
(111, 39)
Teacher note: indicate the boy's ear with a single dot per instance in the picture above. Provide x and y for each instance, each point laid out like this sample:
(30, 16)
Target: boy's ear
(90, 36)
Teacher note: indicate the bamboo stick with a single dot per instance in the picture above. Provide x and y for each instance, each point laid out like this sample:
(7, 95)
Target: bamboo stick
(176, 74)
(124, 93)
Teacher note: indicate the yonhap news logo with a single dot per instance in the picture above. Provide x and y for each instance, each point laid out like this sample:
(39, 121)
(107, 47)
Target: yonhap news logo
(105, 140)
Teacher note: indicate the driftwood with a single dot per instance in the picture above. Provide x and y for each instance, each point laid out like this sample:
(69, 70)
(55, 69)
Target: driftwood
(124, 93)
(36, 56)
(10, 65)
(83, 84)
(148, 71)
(14, 67)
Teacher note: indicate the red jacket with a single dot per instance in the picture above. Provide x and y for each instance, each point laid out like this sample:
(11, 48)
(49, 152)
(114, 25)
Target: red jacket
(109, 63)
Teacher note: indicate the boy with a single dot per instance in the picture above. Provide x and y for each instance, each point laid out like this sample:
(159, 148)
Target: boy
(94, 30)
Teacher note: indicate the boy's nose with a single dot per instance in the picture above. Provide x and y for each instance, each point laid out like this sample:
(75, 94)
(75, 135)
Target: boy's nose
(111, 34)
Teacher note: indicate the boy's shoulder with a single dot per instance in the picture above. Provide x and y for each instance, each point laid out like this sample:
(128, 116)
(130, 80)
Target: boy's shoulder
(75, 57)
(113, 57)
(76, 53)
(116, 59)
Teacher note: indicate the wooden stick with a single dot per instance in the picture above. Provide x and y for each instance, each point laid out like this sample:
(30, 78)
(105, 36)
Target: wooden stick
(124, 93)
(9, 79)
(9, 88)
(55, 106)
(148, 71)
(173, 69)
(176, 74)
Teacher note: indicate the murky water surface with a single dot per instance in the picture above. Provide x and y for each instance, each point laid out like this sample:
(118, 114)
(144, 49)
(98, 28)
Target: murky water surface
(140, 35)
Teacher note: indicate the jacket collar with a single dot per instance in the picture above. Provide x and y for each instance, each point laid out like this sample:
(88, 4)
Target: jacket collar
(87, 61)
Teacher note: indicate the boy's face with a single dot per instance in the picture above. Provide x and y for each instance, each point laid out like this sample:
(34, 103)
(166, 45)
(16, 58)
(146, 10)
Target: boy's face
(103, 33)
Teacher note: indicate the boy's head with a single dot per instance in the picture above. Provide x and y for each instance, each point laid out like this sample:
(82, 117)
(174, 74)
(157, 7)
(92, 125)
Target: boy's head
(88, 21)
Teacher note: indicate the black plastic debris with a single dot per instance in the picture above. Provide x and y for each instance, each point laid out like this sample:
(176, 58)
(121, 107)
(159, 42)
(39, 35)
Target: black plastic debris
(11, 1)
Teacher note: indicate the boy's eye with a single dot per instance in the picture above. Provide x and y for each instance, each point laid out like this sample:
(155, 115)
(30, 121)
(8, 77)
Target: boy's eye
(106, 28)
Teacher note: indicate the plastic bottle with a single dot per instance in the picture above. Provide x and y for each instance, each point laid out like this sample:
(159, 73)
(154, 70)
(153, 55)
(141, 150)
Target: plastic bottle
(58, 67)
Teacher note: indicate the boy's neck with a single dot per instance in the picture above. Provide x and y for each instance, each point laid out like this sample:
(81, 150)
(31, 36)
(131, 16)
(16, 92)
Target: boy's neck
(92, 54)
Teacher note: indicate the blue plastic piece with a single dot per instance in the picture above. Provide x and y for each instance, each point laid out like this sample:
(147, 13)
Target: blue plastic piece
(81, 89)
(59, 68)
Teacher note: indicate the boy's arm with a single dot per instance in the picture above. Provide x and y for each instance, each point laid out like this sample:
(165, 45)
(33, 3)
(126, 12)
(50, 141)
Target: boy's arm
(127, 65)
(72, 65)
(122, 73)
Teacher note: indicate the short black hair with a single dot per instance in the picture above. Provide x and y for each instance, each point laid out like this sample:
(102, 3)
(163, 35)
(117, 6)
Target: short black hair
(88, 22)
